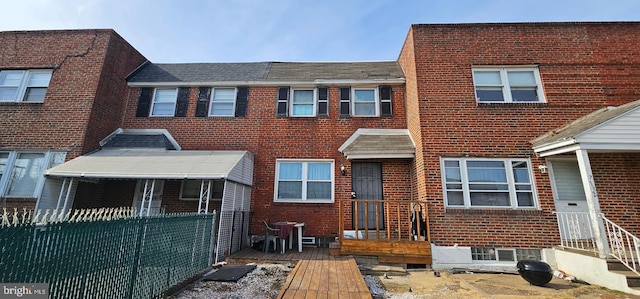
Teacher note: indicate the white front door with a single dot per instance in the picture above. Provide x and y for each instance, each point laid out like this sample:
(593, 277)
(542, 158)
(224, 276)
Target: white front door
(569, 198)
(156, 200)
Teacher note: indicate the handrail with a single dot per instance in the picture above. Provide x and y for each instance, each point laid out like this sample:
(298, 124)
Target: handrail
(393, 220)
(624, 246)
(576, 231)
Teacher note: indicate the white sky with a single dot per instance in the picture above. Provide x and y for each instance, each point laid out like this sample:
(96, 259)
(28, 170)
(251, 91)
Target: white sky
(288, 30)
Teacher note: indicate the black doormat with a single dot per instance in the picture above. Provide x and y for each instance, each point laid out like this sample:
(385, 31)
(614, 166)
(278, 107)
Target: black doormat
(230, 273)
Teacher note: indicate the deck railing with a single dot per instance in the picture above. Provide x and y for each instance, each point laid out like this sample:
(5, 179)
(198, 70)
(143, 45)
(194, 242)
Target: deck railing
(623, 246)
(576, 231)
(383, 220)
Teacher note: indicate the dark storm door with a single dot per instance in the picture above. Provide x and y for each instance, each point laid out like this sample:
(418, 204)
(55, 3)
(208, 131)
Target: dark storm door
(366, 182)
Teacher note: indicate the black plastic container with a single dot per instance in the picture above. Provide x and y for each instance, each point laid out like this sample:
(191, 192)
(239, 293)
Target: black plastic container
(535, 272)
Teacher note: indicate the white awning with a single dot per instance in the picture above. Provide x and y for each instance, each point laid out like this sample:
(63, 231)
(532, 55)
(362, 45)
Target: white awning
(379, 144)
(159, 164)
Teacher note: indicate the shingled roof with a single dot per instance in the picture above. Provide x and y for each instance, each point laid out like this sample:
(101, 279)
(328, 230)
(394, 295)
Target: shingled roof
(200, 72)
(583, 124)
(264, 72)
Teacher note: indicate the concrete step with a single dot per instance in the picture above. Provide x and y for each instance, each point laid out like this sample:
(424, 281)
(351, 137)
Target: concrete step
(613, 264)
(633, 279)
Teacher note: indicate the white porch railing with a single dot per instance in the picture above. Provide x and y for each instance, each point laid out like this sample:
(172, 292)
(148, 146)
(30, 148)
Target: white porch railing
(624, 246)
(576, 233)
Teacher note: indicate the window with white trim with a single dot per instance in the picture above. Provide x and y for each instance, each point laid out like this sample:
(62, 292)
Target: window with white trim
(164, 102)
(223, 102)
(24, 85)
(508, 85)
(488, 183)
(304, 181)
(21, 172)
(190, 190)
(365, 102)
(303, 102)
(490, 254)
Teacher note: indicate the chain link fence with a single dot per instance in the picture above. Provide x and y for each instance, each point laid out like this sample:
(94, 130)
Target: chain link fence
(105, 256)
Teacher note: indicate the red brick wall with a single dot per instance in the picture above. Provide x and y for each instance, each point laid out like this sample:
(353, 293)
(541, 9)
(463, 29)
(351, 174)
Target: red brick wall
(270, 138)
(583, 67)
(617, 178)
(86, 93)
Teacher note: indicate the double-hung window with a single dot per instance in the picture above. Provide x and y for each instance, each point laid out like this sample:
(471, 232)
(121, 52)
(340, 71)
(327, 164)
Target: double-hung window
(508, 85)
(21, 172)
(223, 102)
(365, 102)
(304, 181)
(488, 183)
(303, 102)
(24, 85)
(164, 102)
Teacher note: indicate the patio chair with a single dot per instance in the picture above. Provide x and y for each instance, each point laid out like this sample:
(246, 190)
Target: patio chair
(270, 234)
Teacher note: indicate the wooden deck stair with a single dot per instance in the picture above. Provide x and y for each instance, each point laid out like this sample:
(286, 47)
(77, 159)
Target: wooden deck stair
(335, 277)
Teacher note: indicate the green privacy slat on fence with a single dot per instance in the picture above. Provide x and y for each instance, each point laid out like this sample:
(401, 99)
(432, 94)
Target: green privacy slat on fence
(122, 258)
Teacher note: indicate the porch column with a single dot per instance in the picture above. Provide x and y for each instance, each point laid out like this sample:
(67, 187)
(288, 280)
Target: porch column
(205, 196)
(147, 197)
(593, 203)
(65, 191)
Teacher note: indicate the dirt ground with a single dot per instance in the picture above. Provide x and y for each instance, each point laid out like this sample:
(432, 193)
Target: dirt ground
(266, 281)
(424, 284)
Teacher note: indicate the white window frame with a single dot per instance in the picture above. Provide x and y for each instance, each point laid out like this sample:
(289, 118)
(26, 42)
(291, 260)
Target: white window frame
(153, 102)
(23, 86)
(513, 200)
(182, 197)
(6, 180)
(315, 101)
(517, 255)
(305, 163)
(376, 101)
(505, 86)
(233, 102)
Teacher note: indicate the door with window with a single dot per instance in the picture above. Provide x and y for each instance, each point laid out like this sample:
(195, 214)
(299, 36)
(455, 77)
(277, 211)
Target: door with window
(569, 198)
(155, 202)
(366, 183)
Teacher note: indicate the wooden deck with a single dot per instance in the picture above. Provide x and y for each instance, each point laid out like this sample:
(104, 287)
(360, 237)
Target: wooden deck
(316, 274)
(334, 277)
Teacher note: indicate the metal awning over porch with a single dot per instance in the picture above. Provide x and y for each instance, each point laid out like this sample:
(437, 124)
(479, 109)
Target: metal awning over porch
(379, 144)
(159, 164)
(605, 130)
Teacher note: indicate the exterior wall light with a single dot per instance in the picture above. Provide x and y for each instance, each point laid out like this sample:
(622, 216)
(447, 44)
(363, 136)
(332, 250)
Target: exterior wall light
(343, 170)
(543, 168)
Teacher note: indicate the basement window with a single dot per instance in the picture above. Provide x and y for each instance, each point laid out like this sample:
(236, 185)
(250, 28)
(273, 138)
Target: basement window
(490, 254)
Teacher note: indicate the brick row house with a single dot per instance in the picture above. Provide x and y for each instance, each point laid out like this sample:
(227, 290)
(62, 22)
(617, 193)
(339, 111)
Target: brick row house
(484, 144)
